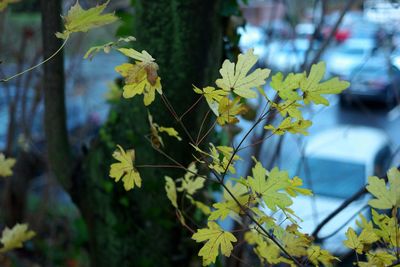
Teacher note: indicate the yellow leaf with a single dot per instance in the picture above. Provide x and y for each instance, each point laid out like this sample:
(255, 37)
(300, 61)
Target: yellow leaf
(5, 3)
(287, 89)
(139, 56)
(124, 168)
(290, 108)
(287, 125)
(6, 165)
(236, 77)
(170, 131)
(313, 89)
(269, 188)
(385, 198)
(106, 47)
(216, 239)
(141, 77)
(170, 188)
(14, 237)
(200, 205)
(228, 110)
(213, 97)
(379, 258)
(357, 242)
(317, 255)
(295, 187)
(228, 206)
(190, 182)
(80, 20)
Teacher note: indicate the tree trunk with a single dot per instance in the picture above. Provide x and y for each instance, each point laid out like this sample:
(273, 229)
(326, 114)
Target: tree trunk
(139, 227)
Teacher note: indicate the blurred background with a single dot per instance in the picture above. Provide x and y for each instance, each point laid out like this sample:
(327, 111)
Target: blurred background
(356, 136)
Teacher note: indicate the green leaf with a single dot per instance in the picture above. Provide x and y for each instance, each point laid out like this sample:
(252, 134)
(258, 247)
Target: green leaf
(236, 77)
(216, 239)
(313, 89)
(80, 20)
(385, 198)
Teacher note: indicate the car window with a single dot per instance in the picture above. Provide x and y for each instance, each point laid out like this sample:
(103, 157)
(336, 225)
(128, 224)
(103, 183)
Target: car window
(332, 178)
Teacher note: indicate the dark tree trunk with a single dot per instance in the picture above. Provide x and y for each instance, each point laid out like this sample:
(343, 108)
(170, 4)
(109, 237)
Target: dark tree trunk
(139, 227)
(136, 228)
(58, 149)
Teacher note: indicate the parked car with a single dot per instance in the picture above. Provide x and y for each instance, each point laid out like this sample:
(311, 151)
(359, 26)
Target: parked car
(344, 58)
(336, 164)
(375, 80)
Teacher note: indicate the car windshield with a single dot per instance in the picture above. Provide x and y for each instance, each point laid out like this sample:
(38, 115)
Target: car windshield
(332, 178)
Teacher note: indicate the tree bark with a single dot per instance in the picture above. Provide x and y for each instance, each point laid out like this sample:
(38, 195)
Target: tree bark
(58, 149)
(139, 227)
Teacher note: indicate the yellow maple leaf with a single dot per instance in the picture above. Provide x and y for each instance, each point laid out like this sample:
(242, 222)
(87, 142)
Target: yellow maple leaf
(237, 77)
(287, 125)
(80, 20)
(317, 255)
(385, 198)
(357, 243)
(213, 97)
(15, 237)
(124, 168)
(6, 165)
(313, 89)
(191, 182)
(216, 239)
(155, 129)
(229, 109)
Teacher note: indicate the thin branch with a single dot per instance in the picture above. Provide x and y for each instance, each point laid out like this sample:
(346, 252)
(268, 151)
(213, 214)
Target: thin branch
(37, 65)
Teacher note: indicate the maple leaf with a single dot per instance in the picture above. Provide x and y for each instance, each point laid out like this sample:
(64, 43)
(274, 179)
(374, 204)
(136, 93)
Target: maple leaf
(190, 182)
(388, 228)
(357, 242)
(313, 89)
(236, 77)
(213, 97)
(287, 89)
(295, 188)
(6, 165)
(217, 239)
(141, 77)
(268, 188)
(200, 205)
(124, 168)
(316, 254)
(80, 20)
(385, 198)
(15, 237)
(288, 107)
(155, 129)
(170, 188)
(228, 206)
(287, 125)
(378, 258)
(228, 110)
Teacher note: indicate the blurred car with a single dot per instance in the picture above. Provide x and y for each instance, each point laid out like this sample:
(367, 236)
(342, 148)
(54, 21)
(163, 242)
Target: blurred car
(289, 55)
(376, 80)
(336, 164)
(344, 58)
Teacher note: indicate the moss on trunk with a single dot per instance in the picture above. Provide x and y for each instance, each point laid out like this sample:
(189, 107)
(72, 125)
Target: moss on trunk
(139, 227)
